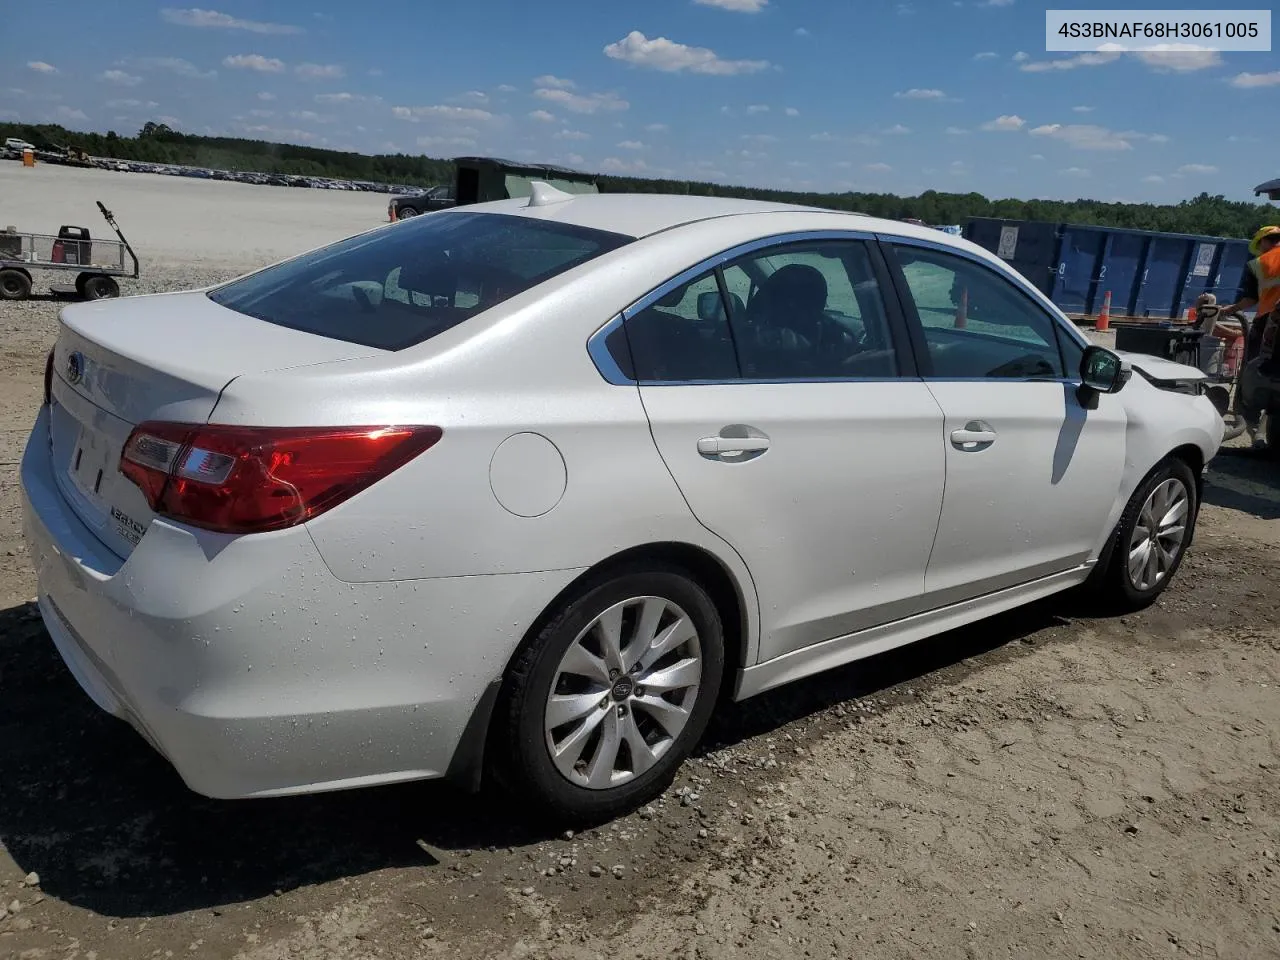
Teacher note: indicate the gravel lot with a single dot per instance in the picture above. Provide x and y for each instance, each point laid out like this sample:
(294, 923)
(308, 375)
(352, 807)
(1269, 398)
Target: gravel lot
(1042, 785)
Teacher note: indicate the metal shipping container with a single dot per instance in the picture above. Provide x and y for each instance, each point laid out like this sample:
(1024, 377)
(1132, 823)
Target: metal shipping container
(1148, 274)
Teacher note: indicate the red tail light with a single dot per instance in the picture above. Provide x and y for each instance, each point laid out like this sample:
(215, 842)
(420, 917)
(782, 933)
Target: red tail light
(251, 479)
(48, 378)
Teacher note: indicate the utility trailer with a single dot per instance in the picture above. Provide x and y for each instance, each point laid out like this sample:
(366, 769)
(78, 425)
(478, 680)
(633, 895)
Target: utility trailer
(96, 263)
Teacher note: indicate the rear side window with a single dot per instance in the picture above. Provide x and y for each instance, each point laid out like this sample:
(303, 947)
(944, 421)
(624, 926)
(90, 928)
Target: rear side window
(403, 285)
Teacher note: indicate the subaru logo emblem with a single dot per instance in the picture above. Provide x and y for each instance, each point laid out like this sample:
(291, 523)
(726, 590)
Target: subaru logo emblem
(75, 368)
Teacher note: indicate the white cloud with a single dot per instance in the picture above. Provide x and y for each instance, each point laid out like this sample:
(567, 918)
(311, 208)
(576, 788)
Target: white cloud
(997, 3)
(986, 55)
(1005, 122)
(916, 93)
(582, 102)
(1070, 63)
(1074, 172)
(183, 68)
(555, 83)
(475, 96)
(70, 113)
(320, 71)
(1249, 81)
(506, 88)
(737, 6)
(1080, 136)
(567, 134)
(212, 18)
(429, 142)
(254, 61)
(956, 131)
(1153, 178)
(898, 130)
(39, 66)
(631, 145)
(266, 96)
(616, 165)
(1037, 156)
(542, 116)
(1179, 58)
(1082, 109)
(657, 128)
(801, 32)
(791, 112)
(310, 116)
(120, 78)
(757, 108)
(759, 138)
(671, 57)
(1021, 57)
(345, 98)
(1197, 168)
(131, 104)
(440, 112)
(877, 167)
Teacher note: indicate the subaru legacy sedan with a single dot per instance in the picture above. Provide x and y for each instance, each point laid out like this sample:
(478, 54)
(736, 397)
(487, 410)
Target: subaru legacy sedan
(523, 489)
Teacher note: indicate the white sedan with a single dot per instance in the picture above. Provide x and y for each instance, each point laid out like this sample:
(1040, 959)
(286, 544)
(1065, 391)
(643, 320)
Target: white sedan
(523, 487)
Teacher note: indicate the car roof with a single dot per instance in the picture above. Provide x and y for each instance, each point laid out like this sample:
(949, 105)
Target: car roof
(643, 214)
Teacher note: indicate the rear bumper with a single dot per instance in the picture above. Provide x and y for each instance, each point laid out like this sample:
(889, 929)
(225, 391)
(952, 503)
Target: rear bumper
(251, 668)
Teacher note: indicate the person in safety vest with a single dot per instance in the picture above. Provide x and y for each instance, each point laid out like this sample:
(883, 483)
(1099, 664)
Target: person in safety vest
(1261, 288)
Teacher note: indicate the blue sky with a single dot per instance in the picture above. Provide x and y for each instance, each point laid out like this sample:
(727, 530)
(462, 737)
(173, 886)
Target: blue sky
(953, 95)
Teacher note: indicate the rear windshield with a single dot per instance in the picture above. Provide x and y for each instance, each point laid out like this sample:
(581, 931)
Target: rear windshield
(402, 285)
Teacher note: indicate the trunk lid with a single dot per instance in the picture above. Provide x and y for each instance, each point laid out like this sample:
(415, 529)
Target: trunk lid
(117, 363)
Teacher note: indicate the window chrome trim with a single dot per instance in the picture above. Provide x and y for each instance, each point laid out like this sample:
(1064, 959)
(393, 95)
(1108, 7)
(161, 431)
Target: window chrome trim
(1017, 279)
(608, 367)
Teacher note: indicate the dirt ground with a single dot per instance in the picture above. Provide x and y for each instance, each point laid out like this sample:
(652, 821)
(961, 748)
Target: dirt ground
(1043, 785)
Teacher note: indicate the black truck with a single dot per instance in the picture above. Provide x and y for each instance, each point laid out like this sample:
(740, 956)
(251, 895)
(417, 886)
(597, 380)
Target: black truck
(480, 179)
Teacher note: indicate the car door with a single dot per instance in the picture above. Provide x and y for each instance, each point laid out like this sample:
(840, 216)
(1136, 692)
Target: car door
(1032, 475)
(783, 401)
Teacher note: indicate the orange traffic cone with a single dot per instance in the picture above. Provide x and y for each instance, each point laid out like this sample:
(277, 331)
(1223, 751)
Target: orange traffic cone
(1104, 318)
(962, 311)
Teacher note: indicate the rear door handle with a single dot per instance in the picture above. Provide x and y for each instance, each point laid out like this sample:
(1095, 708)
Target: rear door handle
(974, 435)
(720, 446)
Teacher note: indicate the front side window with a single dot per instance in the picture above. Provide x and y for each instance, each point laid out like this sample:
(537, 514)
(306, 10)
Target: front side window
(398, 287)
(810, 311)
(976, 324)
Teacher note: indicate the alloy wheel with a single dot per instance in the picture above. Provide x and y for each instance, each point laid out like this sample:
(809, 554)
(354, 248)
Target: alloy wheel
(1159, 534)
(623, 692)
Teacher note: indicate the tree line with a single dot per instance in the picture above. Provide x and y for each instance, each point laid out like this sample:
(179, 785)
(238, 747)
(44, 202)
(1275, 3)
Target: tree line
(158, 143)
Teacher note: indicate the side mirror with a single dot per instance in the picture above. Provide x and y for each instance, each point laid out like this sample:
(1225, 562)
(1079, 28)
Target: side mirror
(1102, 371)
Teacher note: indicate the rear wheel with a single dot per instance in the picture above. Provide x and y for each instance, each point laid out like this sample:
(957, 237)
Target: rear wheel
(404, 213)
(606, 702)
(1151, 538)
(98, 287)
(14, 285)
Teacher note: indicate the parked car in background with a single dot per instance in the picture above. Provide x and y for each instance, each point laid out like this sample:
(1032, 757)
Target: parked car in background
(525, 487)
(436, 198)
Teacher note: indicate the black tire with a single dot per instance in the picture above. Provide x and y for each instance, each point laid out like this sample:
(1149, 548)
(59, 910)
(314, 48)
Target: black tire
(98, 286)
(1111, 582)
(404, 213)
(80, 279)
(522, 756)
(14, 285)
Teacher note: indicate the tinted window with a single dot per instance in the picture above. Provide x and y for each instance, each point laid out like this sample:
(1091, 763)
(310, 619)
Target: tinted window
(810, 311)
(976, 323)
(682, 336)
(403, 285)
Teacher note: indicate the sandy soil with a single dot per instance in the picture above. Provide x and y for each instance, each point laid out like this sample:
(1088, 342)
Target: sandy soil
(1043, 785)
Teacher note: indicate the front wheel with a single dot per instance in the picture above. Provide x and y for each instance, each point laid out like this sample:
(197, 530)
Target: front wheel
(606, 702)
(99, 287)
(1151, 538)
